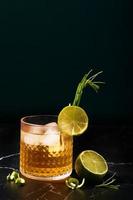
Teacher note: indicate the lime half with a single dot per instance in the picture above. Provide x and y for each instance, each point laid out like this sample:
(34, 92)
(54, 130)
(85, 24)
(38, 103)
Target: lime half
(72, 120)
(91, 165)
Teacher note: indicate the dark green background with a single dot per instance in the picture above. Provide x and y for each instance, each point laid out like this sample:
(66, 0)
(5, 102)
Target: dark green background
(47, 46)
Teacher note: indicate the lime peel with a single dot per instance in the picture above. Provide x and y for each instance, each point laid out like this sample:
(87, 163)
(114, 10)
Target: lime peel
(73, 183)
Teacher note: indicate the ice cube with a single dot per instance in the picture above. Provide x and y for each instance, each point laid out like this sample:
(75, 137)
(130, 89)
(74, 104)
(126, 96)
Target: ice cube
(51, 126)
(31, 139)
(51, 135)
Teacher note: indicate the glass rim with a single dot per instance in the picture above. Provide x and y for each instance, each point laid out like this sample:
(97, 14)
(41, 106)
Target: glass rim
(22, 120)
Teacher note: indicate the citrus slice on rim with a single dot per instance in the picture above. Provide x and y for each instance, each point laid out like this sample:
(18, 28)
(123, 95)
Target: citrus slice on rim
(91, 165)
(72, 120)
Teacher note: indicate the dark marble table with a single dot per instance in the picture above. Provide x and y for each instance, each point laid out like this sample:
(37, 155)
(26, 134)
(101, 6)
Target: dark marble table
(113, 141)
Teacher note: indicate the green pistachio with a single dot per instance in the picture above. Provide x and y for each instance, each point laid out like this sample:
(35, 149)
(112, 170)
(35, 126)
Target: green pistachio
(14, 175)
(20, 181)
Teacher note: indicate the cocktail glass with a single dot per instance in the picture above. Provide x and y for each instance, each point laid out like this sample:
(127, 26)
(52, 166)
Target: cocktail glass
(45, 152)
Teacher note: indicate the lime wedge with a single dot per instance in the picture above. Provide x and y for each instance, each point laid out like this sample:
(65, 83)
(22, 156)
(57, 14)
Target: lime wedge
(91, 165)
(72, 120)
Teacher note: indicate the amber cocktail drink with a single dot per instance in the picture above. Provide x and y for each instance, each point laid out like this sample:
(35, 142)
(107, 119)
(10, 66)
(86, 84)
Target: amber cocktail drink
(45, 152)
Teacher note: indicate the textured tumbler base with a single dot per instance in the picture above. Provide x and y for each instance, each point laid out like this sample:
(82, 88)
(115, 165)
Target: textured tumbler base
(49, 178)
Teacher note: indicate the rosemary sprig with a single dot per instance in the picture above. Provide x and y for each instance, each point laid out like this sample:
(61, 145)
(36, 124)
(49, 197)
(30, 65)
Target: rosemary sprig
(86, 81)
(108, 183)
